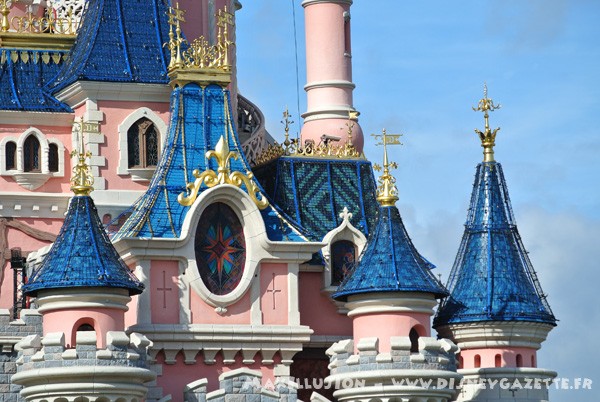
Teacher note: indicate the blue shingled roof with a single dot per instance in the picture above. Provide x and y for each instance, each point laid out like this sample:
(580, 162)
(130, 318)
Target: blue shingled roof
(82, 256)
(199, 117)
(390, 263)
(492, 278)
(119, 41)
(313, 192)
(23, 75)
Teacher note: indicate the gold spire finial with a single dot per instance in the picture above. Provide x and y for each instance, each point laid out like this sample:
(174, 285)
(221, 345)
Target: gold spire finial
(286, 124)
(387, 193)
(487, 137)
(4, 12)
(82, 180)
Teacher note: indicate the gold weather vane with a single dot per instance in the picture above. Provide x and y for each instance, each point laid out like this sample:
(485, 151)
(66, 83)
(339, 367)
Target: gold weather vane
(287, 120)
(487, 137)
(387, 192)
(82, 180)
(210, 178)
(176, 17)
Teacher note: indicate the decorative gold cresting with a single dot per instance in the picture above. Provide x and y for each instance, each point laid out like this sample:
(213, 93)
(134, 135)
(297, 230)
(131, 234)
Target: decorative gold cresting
(387, 192)
(201, 61)
(223, 175)
(82, 180)
(327, 148)
(487, 137)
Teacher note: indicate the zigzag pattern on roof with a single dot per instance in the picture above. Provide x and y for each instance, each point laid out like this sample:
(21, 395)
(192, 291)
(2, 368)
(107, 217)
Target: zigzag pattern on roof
(492, 278)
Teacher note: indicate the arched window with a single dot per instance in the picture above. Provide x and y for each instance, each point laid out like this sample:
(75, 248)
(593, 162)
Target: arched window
(343, 255)
(11, 155)
(413, 335)
(53, 158)
(142, 144)
(31, 154)
(498, 361)
(519, 360)
(85, 327)
(461, 362)
(532, 360)
(477, 361)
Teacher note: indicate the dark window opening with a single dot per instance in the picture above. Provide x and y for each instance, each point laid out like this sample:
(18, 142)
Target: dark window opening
(347, 43)
(519, 360)
(11, 154)
(53, 158)
(85, 327)
(343, 255)
(477, 362)
(498, 361)
(414, 341)
(142, 144)
(31, 154)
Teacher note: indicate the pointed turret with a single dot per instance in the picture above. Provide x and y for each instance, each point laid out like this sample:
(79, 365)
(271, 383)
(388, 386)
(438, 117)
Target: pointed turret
(496, 312)
(82, 280)
(390, 296)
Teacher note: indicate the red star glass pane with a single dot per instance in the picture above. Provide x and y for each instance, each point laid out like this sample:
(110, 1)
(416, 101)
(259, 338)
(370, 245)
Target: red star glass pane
(220, 249)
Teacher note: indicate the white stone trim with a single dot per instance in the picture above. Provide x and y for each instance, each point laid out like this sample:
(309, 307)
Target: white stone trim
(293, 294)
(392, 302)
(76, 94)
(161, 126)
(497, 334)
(345, 231)
(307, 3)
(32, 180)
(70, 298)
(142, 272)
(329, 84)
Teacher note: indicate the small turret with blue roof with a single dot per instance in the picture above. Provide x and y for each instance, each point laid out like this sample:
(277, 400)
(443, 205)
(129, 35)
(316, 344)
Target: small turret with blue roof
(82, 255)
(82, 281)
(391, 292)
(496, 311)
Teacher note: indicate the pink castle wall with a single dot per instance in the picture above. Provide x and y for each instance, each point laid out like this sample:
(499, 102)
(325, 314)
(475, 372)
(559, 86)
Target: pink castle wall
(164, 292)
(508, 357)
(67, 321)
(176, 376)
(203, 313)
(317, 310)
(274, 293)
(384, 326)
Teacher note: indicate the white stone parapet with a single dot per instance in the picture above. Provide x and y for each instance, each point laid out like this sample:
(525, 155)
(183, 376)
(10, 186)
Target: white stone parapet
(429, 373)
(50, 371)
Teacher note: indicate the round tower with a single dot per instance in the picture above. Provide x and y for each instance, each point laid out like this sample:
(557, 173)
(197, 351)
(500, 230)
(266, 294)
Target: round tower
(329, 73)
(390, 296)
(82, 284)
(496, 313)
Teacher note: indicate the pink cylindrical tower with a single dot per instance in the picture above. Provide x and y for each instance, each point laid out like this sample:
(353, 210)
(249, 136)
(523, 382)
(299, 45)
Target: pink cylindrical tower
(329, 72)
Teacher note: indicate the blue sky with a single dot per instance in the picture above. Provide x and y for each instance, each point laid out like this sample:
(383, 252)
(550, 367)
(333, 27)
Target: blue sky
(419, 67)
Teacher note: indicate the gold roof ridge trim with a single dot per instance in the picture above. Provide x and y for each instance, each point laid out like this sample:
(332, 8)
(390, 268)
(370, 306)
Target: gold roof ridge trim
(82, 180)
(488, 136)
(387, 192)
(223, 175)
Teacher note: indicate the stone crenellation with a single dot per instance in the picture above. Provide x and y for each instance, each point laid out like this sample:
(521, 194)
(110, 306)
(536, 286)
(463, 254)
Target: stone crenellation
(432, 354)
(11, 332)
(51, 351)
(241, 385)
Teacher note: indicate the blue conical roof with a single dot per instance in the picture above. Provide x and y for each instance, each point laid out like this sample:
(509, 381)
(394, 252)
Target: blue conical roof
(492, 278)
(82, 256)
(390, 263)
(119, 41)
(200, 116)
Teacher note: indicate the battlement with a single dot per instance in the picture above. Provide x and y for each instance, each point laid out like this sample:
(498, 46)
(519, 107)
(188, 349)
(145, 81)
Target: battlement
(12, 331)
(432, 354)
(242, 384)
(118, 371)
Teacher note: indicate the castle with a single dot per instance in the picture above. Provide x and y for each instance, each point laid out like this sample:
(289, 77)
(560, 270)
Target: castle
(159, 245)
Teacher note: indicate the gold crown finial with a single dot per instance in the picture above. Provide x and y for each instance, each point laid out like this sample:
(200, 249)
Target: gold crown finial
(82, 180)
(387, 192)
(487, 137)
